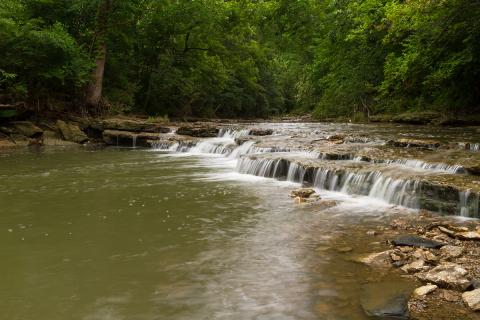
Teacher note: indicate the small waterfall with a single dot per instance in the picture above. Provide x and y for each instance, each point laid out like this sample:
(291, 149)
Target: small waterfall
(296, 172)
(469, 203)
(134, 141)
(418, 164)
(268, 168)
(233, 134)
(474, 147)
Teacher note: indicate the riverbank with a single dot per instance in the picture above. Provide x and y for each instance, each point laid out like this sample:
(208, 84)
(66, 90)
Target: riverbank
(435, 169)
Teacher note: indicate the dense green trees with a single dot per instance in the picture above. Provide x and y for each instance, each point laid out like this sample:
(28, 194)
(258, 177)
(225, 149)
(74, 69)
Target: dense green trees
(241, 58)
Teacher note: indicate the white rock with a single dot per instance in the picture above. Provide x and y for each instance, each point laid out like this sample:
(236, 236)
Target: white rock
(471, 235)
(452, 251)
(449, 275)
(472, 299)
(422, 291)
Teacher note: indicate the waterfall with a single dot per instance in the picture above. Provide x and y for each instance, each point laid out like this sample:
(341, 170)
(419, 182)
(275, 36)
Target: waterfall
(268, 168)
(474, 146)
(418, 164)
(134, 141)
(296, 172)
(469, 203)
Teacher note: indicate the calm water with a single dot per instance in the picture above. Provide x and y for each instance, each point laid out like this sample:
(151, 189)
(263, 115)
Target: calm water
(136, 234)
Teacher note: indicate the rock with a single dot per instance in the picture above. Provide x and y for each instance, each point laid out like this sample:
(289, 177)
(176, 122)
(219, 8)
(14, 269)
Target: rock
(345, 249)
(377, 260)
(395, 257)
(450, 296)
(472, 299)
(422, 291)
(371, 233)
(414, 267)
(27, 129)
(132, 125)
(452, 251)
(198, 131)
(71, 132)
(299, 200)
(447, 275)
(416, 241)
(261, 132)
(394, 308)
(447, 231)
(51, 138)
(429, 257)
(302, 193)
(415, 143)
(470, 235)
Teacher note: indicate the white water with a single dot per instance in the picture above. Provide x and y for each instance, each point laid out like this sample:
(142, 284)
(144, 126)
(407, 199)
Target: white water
(373, 184)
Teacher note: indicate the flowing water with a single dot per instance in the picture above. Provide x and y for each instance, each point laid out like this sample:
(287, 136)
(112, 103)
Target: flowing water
(185, 232)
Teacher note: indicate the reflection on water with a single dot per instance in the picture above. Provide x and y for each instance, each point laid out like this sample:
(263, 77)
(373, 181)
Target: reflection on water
(130, 234)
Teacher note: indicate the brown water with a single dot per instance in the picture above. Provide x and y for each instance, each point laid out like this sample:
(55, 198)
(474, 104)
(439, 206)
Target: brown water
(135, 234)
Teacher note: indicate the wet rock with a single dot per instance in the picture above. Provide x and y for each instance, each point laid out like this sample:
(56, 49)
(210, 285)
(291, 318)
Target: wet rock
(302, 193)
(416, 241)
(51, 138)
(344, 249)
(261, 132)
(371, 233)
(71, 132)
(447, 275)
(132, 125)
(414, 143)
(299, 200)
(472, 299)
(27, 129)
(394, 308)
(377, 260)
(415, 266)
(451, 251)
(423, 291)
(198, 131)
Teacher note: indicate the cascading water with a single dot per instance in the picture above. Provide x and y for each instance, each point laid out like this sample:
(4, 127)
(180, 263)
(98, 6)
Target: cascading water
(469, 203)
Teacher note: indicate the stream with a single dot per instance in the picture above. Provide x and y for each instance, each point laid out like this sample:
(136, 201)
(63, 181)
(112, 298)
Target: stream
(207, 231)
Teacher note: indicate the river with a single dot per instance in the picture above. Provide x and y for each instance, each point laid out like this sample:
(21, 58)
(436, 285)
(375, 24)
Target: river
(131, 233)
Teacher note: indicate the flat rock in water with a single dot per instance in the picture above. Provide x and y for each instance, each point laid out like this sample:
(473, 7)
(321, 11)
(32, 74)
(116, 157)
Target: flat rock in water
(416, 241)
(377, 260)
(394, 308)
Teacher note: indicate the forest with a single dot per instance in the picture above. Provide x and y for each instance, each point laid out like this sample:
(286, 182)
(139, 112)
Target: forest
(239, 58)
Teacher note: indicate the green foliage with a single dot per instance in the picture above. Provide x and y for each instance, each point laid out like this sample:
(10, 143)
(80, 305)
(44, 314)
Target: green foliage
(342, 58)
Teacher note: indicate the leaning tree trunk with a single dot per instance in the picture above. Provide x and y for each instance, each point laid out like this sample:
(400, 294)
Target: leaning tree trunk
(94, 89)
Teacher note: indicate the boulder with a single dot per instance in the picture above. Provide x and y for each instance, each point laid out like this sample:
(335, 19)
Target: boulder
(27, 129)
(416, 241)
(198, 131)
(377, 260)
(261, 132)
(129, 139)
(447, 275)
(302, 193)
(71, 132)
(423, 291)
(472, 299)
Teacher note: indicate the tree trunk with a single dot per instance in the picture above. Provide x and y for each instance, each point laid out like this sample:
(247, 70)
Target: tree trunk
(95, 87)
